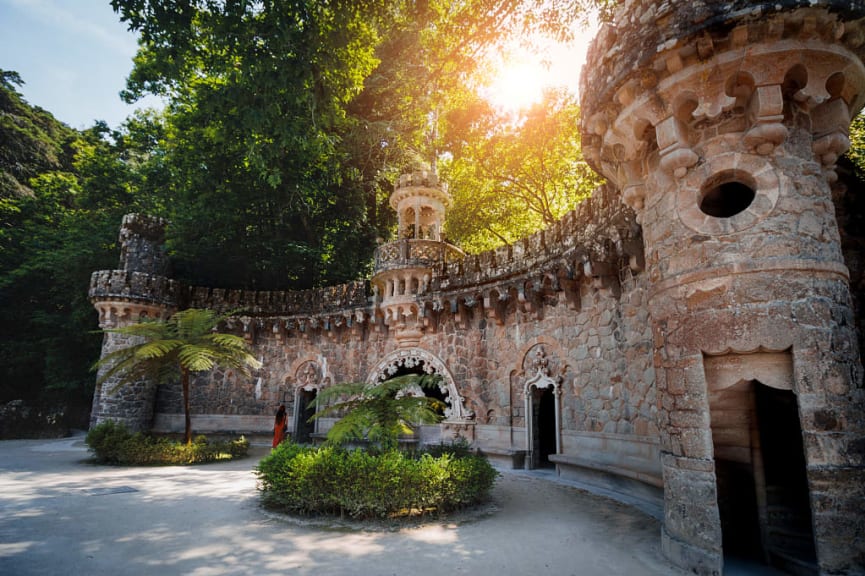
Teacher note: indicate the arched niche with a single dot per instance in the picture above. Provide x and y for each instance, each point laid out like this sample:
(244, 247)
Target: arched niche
(539, 379)
(417, 358)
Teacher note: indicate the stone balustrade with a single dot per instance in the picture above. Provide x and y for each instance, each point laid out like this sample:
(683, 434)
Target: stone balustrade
(412, 252)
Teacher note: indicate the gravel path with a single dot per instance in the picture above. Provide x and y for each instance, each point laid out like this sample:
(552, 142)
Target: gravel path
(59, 514)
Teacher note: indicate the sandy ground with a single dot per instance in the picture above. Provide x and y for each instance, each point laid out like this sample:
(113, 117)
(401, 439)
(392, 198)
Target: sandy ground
(60, 514)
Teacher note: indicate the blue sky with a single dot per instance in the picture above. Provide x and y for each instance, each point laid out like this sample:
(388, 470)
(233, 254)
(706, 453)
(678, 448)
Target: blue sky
(73, 55)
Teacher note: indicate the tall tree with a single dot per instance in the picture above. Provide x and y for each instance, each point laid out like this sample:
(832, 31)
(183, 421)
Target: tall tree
(186, 343)
(57, 225)
(288, 119)
(512, 175)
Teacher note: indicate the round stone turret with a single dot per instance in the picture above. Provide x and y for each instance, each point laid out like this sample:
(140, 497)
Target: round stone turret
(720, 123)
(404, 268)
(137, 291)
(420, 203)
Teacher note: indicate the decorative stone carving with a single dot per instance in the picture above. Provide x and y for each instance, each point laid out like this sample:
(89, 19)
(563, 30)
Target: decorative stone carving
(410, 358)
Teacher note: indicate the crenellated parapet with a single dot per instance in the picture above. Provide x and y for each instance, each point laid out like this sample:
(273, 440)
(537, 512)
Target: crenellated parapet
(125, 286)
(593, 242)
(599, 242)
(310, 302)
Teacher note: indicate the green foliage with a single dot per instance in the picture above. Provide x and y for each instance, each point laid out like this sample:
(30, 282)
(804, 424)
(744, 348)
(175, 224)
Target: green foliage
(380, 413)
(331, 480)
(285, 125)
(167, 349)
(52, 236)
(113, 443)
(857, 142)
(512, 176)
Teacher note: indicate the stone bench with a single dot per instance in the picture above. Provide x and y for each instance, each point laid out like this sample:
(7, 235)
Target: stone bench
(637, 470)
(515, 459)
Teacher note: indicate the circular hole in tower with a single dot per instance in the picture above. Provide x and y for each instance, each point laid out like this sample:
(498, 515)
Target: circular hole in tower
(726, 195)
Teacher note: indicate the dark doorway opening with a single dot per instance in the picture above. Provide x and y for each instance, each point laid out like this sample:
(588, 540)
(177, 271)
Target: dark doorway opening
(543, 427)
(737, 505)
(762, 488)
(789, 536)
(304, 409)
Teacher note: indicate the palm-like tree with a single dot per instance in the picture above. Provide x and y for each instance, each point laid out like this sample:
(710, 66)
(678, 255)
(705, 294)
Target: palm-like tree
(185, 343)
(379, 412)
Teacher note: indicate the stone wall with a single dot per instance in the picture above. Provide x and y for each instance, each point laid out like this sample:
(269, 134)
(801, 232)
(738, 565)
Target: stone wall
(575, 292)
(714, 272)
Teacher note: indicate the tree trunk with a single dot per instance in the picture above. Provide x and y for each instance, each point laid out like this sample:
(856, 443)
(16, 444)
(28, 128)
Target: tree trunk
(184, 382)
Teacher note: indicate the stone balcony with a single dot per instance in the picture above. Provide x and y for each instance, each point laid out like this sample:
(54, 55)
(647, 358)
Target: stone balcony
(415, 253)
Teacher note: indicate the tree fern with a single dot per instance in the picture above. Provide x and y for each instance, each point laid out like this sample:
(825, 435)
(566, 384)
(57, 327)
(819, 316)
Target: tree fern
(382, 412)
(169, 349)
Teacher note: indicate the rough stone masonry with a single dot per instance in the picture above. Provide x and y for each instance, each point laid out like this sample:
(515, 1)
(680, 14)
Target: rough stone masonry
(690, 334)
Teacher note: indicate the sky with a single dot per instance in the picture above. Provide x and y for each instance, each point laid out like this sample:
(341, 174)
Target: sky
(74, 57)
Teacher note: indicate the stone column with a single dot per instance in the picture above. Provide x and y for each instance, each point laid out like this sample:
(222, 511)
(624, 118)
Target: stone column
(723, 139)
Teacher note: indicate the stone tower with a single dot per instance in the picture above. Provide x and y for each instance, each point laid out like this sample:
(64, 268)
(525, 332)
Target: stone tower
(721, 122)
(138, 289)
(404, 268)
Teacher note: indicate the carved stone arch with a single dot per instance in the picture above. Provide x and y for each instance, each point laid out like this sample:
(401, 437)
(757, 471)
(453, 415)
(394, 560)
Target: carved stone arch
(415, 357)
(307, 375)
(540, 373)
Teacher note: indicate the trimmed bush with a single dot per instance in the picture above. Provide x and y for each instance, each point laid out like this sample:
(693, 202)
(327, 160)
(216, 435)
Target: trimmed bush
(113, 443)
(333, 481)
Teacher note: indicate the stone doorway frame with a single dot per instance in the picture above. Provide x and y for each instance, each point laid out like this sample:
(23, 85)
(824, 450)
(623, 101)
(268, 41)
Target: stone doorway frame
(747, 371)
(309, 375)
(541, 380)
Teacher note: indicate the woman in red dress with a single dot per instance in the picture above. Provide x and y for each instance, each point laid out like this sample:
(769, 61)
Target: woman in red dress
(279, 426)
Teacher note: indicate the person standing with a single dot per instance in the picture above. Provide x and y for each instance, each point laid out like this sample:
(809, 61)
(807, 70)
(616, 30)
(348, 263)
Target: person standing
(280, 426)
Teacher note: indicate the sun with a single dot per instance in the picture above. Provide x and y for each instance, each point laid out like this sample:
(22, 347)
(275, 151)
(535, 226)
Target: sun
(518, 85)
(522, 76)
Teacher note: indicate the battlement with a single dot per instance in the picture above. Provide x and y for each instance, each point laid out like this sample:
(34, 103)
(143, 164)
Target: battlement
(651, 41)
(330, 299)
(124, 285)
(600, 229)
(419, 178)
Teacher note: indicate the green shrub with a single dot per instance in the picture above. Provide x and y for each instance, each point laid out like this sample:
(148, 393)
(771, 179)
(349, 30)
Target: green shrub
(113, 443)
(334, 481)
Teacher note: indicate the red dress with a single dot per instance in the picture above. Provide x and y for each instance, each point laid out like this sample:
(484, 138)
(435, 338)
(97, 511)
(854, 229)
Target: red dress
(279, 429)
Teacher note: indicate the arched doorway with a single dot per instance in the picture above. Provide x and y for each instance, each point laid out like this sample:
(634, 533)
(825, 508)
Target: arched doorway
(304, 408)
(419, 361)
(310, 376)
(542, 394)
(760, 468)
